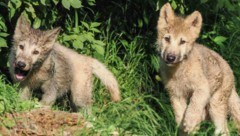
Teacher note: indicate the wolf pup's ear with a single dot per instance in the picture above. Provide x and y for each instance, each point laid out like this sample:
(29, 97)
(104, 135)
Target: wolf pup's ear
(50, 36)
(22, 28)
(194, 21)
(166, 18)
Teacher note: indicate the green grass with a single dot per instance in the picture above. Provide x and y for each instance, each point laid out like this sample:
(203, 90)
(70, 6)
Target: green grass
(145, 108)
(10, 102)
(9, 99)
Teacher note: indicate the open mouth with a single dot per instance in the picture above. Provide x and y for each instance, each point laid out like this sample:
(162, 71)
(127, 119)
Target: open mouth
(171, 63)
(20, 74)
(167, 62)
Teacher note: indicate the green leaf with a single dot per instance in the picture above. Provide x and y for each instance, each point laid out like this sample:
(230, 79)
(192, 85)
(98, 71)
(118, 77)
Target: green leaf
(35, 3)
(95, 30)
(91, 2)
(76, 30)
(66, 4)
(36, 23)
(157, 5)
(174, 4)
(3, 26)
(158, 78)
(17, 3)
(89, 37)
(81, 38)
(12, 9)
(95, 24)
(55, 2)
(124, 42)
(98, 42)
(77, 44)
(85, 24)
(2, 34)
(3, 42)
(43, 2)
(31, 10)
(76, 3)
(69, 37)
(182, 9)
(204, 1)
(219, 40)
(140, 23)
(98, 49)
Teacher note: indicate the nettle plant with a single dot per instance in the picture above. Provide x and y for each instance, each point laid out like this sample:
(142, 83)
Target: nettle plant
(82, 38)
(76, 33)
(3, 33)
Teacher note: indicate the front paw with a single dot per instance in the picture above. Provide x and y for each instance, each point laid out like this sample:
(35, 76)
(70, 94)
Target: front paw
(24, 97)
(191, 122)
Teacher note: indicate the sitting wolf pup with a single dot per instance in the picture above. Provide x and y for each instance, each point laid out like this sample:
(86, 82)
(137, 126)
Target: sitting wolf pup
(198, 80)
(38, 62)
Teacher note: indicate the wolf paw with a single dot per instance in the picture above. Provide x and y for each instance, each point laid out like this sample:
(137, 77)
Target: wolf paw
(190, 124)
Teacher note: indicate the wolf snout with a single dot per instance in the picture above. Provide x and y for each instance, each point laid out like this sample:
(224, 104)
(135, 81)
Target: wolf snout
(21, 64)
(170, 58)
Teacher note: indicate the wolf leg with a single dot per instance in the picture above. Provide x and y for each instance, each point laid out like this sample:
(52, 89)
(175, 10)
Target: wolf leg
(234, 106)
(196, 107)
(179, 105)
(49, 93)
(218, 111)
(81, 91)
(25, 93)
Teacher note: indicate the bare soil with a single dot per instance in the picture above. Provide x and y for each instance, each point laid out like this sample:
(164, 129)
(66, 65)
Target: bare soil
(41, 122)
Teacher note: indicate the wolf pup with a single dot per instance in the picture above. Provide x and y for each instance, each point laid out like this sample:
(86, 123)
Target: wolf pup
(38, 62)
(198, 80)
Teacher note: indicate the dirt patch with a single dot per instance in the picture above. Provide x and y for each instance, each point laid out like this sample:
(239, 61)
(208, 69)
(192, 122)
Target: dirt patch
(41, 122)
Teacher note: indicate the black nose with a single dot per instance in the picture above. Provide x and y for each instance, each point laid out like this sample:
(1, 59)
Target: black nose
(171, 58)
(21, 64)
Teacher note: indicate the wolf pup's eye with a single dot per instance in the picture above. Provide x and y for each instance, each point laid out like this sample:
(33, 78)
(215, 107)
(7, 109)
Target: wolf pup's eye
(167, 39)
(21, 46)
(182, 42)
(35, 52)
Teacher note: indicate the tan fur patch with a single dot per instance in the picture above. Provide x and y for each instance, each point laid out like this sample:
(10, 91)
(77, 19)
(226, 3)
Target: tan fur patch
(54, 68)
(194, 73)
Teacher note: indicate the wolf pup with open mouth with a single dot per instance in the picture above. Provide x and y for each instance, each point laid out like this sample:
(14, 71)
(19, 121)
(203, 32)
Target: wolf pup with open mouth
(38, 62)
(199, 81)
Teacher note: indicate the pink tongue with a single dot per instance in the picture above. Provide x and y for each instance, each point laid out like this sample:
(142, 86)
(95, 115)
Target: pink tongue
(19, 76)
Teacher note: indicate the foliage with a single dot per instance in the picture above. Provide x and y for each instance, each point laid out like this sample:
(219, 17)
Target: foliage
(122, 34)
(9, 99)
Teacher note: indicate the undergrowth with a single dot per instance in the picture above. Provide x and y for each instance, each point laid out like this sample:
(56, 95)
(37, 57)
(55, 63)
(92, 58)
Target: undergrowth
(9, 99)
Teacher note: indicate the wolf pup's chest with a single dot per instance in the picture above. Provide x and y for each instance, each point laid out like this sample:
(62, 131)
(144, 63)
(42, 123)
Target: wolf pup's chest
(37, 78)
(177, 81)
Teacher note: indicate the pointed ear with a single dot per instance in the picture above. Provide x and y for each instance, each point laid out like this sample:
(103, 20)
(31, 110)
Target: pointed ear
(194, 22)
(166, 18)
(50, 36)
(166, 15)
(22, 28)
